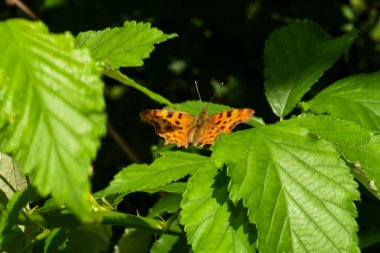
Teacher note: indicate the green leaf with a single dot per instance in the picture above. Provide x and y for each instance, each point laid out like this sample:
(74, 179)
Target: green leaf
(170, 243)
(207, 215)
(10, 178)
(298, 191)
(168, 203)
(176, 187)
(195, 107)
(9, 217)
(47, 4)
(125, 46)
(296, 57)
(359, 146)
(117, 75)
(89, 238)
(56, 240)
(52, 112)
(14, 242)
(355, 98)
(135, 241)
(142, 177)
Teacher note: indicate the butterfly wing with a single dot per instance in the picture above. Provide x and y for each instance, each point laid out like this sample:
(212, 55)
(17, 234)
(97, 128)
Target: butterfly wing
(224, 122)
(174, 126)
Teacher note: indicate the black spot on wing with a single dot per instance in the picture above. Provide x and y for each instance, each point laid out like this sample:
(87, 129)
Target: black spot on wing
(170, 114)
(168, 128)
(156, 125)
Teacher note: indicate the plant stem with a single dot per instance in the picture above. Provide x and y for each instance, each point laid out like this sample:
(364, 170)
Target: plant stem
(122, 144)
(52, 220)
(117, 75)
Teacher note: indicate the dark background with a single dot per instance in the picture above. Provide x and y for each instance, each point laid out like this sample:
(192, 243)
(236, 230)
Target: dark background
(218, 41)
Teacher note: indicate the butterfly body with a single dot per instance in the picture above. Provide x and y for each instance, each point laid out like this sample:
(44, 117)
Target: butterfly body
(182, 128)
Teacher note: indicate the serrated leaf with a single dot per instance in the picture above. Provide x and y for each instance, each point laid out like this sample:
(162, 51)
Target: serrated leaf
(11, 180)
(125, 46)
(207, 215)
(89, 238)
(52, 114)
(296, 57)
(166, 169)
(358, 145)
(355, 98)
(298, 191)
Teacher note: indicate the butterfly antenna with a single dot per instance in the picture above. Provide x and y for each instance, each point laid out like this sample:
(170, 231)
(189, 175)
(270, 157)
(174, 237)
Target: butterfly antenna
(220, 86)
(199, 94)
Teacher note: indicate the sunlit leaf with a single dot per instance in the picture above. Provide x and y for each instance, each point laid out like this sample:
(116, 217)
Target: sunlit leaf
(52, 114)
(357, 144)
(125, 46)
(298, 191)
(170, 167)
(356, 98)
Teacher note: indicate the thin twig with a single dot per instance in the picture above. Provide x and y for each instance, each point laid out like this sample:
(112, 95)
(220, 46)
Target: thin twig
(23, 8)
(126, 149)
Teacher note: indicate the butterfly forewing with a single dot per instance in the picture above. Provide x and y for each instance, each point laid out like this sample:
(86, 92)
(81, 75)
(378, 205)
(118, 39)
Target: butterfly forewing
(224, 122)
(171, 125)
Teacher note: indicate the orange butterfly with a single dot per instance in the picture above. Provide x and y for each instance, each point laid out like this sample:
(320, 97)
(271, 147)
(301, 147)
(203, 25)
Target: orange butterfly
(182, 128)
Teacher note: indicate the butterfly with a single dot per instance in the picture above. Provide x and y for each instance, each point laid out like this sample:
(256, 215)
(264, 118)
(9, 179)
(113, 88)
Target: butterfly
(182, 128)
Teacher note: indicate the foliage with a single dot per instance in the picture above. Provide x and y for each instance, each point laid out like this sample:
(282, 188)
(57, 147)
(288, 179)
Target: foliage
(283, 187)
